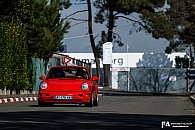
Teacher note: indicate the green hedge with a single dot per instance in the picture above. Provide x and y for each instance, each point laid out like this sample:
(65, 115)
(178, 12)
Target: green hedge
(13, 54)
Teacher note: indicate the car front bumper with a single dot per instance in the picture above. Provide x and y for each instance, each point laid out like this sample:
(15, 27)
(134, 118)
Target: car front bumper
(76, 97)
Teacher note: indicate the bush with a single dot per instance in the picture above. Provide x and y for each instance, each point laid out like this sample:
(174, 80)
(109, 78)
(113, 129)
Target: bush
(13, 62)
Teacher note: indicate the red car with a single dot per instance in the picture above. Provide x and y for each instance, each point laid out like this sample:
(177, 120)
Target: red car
(68, 84)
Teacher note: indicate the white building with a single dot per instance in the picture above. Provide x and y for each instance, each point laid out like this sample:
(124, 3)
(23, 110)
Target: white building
(124, 60)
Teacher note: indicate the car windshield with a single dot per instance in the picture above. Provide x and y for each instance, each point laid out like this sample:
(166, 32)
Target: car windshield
(68, 73)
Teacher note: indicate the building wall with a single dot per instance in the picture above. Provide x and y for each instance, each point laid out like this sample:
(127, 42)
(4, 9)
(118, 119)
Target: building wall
(122, 60)
(143, 72)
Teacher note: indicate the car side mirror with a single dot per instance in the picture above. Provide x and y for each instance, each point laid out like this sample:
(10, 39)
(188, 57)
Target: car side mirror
(42, 77)
(95, 78)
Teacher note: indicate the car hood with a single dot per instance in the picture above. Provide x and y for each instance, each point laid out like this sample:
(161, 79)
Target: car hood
(65, 84)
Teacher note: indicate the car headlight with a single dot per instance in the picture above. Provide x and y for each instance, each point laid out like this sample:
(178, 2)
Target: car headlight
(43, 85)
(84, 86)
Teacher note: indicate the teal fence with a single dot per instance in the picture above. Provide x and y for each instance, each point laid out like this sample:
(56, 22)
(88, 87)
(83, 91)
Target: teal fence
(41, 68)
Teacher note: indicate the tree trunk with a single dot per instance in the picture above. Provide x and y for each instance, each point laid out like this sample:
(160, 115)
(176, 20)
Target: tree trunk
(107, 75)
(98, 70)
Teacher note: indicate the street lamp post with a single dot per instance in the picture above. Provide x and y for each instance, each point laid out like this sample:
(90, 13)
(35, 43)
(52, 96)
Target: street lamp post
(127, 54)
(128, 68)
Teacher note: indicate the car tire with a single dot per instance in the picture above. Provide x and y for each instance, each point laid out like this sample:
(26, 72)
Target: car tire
(95, 102)
(41, 104)
(90, 104)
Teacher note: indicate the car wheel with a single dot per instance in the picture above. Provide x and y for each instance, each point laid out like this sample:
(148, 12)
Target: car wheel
(41, 104)
(90, 104)
(95, 103)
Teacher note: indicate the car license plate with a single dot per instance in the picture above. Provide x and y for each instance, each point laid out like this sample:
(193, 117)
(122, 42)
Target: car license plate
(63, 97)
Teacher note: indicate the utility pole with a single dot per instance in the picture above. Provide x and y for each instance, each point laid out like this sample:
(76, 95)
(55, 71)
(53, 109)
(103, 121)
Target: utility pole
(128, 86)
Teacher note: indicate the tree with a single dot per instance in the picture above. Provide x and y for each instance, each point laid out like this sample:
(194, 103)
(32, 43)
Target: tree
(14, 72)
(182, 62)
(90, 29)
(44, 28)
(11, 10)
(151, 19)
(90, 32)
(34, 28)
(42, 21)
(181, 15)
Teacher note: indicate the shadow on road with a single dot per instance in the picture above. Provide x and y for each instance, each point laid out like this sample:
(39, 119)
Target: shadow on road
(35, 120)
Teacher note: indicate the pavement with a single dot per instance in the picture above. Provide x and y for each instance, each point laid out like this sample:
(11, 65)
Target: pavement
(192, 98)
(34, 97)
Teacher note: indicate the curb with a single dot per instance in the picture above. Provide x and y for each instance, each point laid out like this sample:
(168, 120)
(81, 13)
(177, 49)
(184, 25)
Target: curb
(192, 98)
(20, 99)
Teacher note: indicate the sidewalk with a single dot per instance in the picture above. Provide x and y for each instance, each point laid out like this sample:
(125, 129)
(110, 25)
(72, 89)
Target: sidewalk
(17, 98)
(21, 98)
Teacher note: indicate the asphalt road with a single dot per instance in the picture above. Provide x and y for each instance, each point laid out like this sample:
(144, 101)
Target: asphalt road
(113, 112)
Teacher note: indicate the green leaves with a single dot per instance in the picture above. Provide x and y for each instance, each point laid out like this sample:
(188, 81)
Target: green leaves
(28, 28)
(13, 65)
(181, 16)
(150, 18)
(44, 29)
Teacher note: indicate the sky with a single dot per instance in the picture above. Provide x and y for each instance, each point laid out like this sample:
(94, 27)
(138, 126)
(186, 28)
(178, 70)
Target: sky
(77, 39)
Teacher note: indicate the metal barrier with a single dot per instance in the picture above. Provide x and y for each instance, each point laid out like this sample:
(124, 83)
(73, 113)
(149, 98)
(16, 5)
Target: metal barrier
(39, 69)
(155, 80)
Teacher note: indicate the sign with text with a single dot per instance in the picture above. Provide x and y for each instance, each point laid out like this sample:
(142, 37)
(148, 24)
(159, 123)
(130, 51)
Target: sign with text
(65, 60)
(107, 53)
(120, 69)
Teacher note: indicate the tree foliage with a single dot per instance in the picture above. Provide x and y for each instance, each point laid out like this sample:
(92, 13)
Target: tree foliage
(151, 19)
(42, 21)
(181, 14)
(28, 28)
(14, 73)
(151, 15)
(14, 11)
(44, 28)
